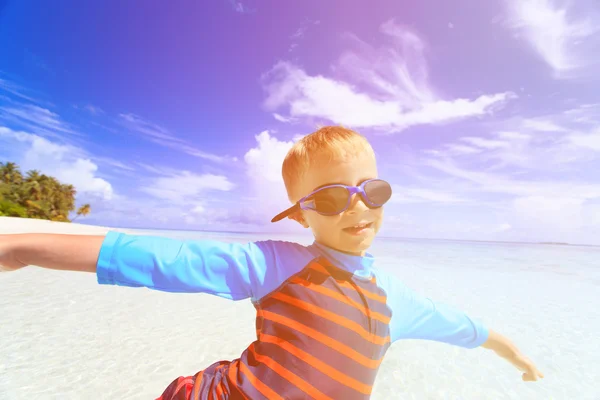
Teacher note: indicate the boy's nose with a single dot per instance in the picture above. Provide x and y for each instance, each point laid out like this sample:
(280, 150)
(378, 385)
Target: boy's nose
(357, 204)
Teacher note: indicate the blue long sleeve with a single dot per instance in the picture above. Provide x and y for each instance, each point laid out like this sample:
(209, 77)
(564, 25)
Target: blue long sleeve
(231, 270)
(417, 317)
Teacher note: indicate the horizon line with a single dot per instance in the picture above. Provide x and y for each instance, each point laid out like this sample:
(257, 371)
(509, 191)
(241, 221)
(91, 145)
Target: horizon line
(547, 243)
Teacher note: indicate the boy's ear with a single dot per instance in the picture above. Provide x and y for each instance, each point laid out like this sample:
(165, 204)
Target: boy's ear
(297, 216)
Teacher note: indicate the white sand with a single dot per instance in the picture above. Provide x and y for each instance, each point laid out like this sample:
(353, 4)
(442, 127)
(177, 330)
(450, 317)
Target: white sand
(63, 336)
(24, 225)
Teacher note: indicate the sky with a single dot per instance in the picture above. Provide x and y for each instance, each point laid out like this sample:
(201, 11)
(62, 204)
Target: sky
(485, 116)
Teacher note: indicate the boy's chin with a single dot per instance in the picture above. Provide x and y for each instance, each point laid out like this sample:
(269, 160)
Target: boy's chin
(357, 245)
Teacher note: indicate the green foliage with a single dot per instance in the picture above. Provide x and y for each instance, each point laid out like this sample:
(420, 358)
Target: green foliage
(36, 195)
(10, 209)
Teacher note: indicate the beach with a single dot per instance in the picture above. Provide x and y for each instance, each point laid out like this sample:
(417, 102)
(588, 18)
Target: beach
(64, 336)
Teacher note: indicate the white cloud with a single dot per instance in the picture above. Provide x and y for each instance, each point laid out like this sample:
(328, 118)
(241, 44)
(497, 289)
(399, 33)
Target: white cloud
(240, 7)
(462, 149)
(185, 186)
(546, 144)
(588, 141)
(199, 209)
(558, 213)
(509, 135)
(263, 167)
(160, 135)
(94, 110)
(404, 194)
(264, 161)
(66, 163)
(560, 38)
(386, 88)
(300, 32)
(542, 125)
(281, 118)
(504, 227)
(485, 143)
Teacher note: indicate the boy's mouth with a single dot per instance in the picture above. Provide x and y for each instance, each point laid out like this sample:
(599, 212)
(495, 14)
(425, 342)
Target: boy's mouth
(358, 229)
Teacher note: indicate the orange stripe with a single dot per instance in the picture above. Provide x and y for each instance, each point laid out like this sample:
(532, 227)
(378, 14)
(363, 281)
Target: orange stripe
(374, 296)
(220, 388)
(345, 322)
(219, 391)
(318, 364)
(343, 298)
(326, 340)
(260, 386)
(233, 368)
(301, 384)
(221, 384)
(195, 391)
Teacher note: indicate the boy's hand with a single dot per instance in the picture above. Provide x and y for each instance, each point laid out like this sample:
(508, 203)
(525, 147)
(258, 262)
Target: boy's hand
(8, 259)
(507, 350)
(530, 372)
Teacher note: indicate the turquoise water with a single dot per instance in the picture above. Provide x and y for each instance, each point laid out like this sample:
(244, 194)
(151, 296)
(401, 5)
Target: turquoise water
(63, 336)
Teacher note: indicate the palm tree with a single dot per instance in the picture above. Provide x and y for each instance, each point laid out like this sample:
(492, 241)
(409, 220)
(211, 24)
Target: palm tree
(36, 195)
(10, 173)
(83, 210)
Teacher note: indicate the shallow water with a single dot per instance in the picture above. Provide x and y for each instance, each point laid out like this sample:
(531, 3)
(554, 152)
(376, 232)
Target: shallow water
(63, 336)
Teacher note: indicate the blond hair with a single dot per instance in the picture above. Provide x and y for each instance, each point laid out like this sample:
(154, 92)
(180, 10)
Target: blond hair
(322, 146)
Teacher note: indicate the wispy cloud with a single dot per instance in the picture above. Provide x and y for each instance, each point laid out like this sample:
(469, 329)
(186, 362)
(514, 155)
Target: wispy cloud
(163, 137)
(240, 7)
(550, 144)
(35, 119)
(565, 37)
(114, 163)
(283, 119)
(300, 32)
(16, 91)
(94, 110)
(502, 183)
(532, 177)
(386, 88)
(406, 194)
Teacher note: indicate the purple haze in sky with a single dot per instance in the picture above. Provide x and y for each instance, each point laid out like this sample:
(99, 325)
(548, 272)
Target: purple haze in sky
(485, 115)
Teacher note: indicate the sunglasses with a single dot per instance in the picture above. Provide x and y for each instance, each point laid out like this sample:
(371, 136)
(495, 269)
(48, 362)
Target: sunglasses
(335, 199)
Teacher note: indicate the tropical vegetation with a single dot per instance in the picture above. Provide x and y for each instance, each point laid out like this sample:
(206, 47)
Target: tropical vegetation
(35, 195)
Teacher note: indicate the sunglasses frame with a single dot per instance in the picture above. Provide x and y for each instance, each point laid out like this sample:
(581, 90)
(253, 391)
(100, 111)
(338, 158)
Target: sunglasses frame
(352, 191)
(300, 204)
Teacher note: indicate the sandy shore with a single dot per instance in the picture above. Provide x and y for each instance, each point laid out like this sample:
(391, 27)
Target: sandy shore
(63, 336)
(25, 225)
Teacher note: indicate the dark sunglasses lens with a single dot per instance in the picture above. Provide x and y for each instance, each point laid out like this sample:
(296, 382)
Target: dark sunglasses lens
(378, 192)
(330, 200)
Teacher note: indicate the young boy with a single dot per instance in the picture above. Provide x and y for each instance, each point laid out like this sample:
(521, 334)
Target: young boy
(325, 314)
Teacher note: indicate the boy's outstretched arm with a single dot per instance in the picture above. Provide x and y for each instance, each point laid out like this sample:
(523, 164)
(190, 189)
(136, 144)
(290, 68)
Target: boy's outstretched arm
(418, 317)
(507, 350)
(60, 252)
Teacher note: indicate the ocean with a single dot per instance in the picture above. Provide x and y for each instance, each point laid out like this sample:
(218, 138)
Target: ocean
(63, 336)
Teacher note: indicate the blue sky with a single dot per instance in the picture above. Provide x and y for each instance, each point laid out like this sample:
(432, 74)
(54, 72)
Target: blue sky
(484, 115)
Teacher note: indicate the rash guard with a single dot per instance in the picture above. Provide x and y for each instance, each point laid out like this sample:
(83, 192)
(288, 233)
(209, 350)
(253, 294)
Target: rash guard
(324, 318)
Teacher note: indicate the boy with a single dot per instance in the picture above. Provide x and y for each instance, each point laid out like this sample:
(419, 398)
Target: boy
(325, 315)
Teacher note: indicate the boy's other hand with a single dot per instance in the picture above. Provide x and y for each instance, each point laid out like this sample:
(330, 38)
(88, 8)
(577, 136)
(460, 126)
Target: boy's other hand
(530, 371)
(8, 259)
(507, 350)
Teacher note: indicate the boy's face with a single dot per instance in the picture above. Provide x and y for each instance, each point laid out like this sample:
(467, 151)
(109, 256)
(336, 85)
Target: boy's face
(332, 230)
